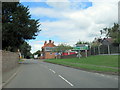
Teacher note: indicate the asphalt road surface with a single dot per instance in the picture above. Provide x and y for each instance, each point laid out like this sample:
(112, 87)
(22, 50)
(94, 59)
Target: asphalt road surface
(38, 74)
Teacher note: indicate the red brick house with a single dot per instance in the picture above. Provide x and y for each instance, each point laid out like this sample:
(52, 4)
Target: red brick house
(47, 50)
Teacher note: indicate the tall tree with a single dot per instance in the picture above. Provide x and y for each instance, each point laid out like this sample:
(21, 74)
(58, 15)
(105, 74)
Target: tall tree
(17, 25)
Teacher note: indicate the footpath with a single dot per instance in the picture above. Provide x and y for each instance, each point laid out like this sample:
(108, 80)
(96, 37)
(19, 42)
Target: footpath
(7, 76)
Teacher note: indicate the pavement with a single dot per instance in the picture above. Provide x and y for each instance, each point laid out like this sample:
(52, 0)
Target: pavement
(39, 74)
(9, 75)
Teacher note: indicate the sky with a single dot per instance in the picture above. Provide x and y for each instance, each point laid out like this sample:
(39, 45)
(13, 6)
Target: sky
(68, 21)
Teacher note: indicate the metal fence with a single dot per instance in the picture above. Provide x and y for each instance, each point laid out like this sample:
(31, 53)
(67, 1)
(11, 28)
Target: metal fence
(105, 49)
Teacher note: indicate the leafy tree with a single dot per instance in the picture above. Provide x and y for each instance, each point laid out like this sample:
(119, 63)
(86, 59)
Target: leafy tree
(25, 49)
(62, 48)
(95, 44)
(37, 53)
(17, 25)
(82, 42)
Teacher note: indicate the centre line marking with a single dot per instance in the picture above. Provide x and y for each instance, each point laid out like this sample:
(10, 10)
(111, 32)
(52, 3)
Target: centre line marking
(66, 80)
(52, 70)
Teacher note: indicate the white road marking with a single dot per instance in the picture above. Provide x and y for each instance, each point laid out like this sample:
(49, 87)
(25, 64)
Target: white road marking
(52, 70)
(106, 76)
(66, 80)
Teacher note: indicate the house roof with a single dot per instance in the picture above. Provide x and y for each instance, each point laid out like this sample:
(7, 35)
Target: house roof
(107, 41)
(49, 44)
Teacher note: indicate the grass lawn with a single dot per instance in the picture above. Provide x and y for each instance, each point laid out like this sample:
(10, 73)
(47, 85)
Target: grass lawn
(106, 63)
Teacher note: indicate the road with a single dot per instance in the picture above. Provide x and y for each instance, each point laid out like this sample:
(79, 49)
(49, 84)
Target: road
(38, 74)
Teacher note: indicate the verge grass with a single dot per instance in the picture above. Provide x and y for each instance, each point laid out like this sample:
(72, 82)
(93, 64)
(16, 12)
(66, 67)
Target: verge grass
(106, 63)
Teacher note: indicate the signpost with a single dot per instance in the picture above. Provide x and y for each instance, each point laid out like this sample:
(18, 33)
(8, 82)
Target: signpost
(78, 48)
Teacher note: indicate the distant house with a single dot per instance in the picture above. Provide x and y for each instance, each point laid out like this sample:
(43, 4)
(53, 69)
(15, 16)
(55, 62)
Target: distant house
(104, 41)
(47, 52)
(107, 41)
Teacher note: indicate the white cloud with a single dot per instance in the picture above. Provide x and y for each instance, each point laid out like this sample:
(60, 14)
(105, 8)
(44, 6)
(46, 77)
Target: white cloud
(36, 45)
(77, 25)
(56, 4)
(38, 11)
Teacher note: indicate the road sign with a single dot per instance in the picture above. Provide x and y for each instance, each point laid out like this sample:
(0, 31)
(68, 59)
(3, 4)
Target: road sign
(80, 48)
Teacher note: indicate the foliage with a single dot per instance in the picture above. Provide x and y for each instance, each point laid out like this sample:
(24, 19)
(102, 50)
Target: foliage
(37, 53)
(62, 48)
(25, 50)
(17, 25)
(82, 42)
(96, 42)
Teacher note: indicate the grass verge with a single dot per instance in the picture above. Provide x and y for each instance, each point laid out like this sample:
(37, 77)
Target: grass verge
(102, 63)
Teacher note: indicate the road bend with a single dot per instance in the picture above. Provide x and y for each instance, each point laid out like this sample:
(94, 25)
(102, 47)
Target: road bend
(39, 74)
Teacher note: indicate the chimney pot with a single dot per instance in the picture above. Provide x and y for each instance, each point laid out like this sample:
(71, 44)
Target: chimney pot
(49, 41)
(45, 42)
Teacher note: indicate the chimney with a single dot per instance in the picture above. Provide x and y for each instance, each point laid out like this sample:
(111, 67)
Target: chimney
(45, 42)
(50, 41)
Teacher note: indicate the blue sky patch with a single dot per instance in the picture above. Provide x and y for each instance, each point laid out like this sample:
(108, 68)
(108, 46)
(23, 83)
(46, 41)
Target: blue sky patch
(36, 4)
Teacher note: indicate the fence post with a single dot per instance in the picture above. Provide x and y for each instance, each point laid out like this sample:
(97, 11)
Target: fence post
(119, 48)
(86, 53)
(99, 49)
(108, 49)
(94, 50)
